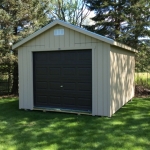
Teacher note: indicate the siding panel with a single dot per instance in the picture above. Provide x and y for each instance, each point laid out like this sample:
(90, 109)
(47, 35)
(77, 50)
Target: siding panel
(83, 39)
(20, 63)
(62, 41)
(88, 41)
(106, 78)
(100, 79)
(56, 39)
(30, 43)
(51, 40)
(72, 38)
(122, 77)
(24, 75)
(39, 42)
(77, 38)
(94, 82)
(29, 80)
(47, 39)
(67, 37)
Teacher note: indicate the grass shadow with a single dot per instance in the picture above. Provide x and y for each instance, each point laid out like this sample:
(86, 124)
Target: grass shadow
(36, 130)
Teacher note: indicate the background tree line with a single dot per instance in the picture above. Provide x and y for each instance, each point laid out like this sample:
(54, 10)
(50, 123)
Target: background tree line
(126, 21)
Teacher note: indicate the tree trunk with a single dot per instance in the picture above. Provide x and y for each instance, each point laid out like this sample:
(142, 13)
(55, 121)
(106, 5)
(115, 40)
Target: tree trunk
(15, 79)
(14, 89)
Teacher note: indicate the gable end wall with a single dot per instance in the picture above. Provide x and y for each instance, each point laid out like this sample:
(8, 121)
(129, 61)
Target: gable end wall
(71, 40)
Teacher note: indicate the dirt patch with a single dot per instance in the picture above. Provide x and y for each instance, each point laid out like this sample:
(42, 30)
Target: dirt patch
(142, 91)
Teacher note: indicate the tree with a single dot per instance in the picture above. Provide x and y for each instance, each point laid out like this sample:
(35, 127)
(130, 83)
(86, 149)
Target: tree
(122, 20)
(72, 11)
(143, 58)
(18, 18)
(138, 23)
(126, 21)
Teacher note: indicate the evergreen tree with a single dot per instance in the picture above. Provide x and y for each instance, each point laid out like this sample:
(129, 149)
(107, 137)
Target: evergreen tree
(122, 20)
(18, 19)
(126, 21)
(138, 23)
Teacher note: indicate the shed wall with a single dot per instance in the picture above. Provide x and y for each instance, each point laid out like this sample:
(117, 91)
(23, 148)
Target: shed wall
(122, 64)
(71, 40)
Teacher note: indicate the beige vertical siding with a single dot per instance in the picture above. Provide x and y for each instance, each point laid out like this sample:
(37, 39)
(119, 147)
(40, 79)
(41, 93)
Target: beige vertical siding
(101, 76)
(25, 78)
(106, 79)
(21, 91)
(121, 77)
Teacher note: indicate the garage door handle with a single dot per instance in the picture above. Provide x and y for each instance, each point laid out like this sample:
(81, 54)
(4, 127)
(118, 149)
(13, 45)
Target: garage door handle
(61, 86)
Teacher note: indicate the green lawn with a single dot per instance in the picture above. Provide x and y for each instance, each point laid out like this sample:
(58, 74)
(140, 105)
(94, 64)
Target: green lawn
(128, 129)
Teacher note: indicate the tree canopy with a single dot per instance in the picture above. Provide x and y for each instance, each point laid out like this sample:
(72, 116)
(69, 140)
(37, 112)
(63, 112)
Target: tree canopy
(122, 20)
(20, 18)
(17, 20)
(72, 11)
(126, 21)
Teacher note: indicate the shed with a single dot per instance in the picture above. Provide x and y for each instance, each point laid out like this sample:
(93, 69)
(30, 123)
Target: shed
(66, 68)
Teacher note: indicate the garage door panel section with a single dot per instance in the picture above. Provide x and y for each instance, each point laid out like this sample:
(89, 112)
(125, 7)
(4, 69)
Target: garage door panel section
(41, 58)
(55, 71)
(41, 70)
(84, 103)
(63, 79)
(54, 101)
(54, 85)
(84, 72)
(42, 99)
(42, 85)
(84, 86)
(69, 86)
(41, 78)
(69, 71)
(54, 58)
(69, 101)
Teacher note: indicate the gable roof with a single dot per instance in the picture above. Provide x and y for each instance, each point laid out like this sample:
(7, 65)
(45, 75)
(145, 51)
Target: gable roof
(75, 28)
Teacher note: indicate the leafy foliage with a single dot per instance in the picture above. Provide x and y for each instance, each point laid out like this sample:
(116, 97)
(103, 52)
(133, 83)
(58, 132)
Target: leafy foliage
(143, 59)
(121, 20)
(124, 21)
(18, 19)
(72, 11)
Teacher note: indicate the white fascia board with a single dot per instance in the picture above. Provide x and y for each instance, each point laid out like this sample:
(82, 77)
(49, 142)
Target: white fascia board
(124, 47)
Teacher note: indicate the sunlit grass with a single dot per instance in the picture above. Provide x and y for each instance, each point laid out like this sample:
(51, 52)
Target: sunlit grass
(128, 129)
(142, 79)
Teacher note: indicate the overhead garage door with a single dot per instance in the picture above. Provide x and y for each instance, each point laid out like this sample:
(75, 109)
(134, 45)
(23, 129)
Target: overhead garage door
(63, 79)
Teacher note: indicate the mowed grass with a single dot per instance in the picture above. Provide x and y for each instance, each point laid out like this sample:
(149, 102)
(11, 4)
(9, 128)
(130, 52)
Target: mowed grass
(142, 78)
(128, 129)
